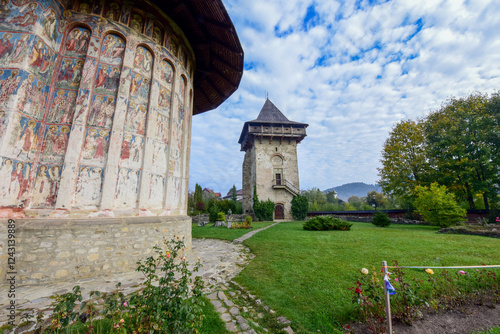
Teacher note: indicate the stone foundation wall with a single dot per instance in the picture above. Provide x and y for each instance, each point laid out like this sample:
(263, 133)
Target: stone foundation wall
(72, 249)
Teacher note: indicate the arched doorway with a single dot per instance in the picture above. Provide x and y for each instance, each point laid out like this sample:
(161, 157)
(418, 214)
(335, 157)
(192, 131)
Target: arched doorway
(279, 211)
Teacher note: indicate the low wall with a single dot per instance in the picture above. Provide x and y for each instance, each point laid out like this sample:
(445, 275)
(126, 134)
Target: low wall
(71, 249)
(204, 218)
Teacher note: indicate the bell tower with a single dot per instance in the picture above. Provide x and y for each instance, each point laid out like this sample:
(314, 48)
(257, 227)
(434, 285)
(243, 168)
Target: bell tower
(270, 164)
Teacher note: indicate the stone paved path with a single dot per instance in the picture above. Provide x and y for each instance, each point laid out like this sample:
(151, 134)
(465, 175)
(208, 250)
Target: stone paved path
(222, 261)
(251, 234)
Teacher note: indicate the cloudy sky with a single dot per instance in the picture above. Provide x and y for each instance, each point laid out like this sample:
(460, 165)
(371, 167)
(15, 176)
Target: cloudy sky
(351, 70)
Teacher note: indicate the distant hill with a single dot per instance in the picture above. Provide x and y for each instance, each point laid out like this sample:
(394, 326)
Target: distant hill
(359, 189)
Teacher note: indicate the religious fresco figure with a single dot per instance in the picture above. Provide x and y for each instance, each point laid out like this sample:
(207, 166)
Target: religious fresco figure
(39, 58)
(18, 183)
(66, 72)
(4, 10)
(101, 145)
(137, 23)
(89, 148)
(61, 141)
(56, 110)
(112, 11)
(27, 143)
(41, 190)
(55, 178)
(5, 45)
(81, 184)
(20, 50)
(49, 25)
(167, 72)
(9, 86)
(112, 49)
(27, 19)
(164, 98)
(158, 35)
(95, 110)
(5, 174)
(24, 92)
(68, 108)
(126, 146)
(49, 141)
(136, 149)
(77, 74)
(108, 109)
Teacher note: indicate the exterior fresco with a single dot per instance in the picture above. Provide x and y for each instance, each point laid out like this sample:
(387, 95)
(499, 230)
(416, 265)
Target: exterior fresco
(85, 97)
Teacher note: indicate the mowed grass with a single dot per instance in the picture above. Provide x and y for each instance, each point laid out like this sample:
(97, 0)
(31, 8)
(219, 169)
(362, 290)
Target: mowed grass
(304, 275)
(210, 232)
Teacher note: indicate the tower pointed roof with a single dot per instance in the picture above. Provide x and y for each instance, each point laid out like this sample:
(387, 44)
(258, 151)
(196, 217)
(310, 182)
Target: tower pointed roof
(271, 114)
(271, 123)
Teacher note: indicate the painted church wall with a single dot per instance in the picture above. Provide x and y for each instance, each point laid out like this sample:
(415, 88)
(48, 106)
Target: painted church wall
(64, 76)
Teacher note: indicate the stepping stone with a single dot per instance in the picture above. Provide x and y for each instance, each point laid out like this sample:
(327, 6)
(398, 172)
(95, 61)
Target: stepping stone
(283, 321)
(244, 326)
(221, 310)
(289, 330)
(241, 320)
(216, 303)
(251, 331)
(226, 317)
(212, 296)
(234, 311)
(228, 303)
(231, 327)
(221, 295)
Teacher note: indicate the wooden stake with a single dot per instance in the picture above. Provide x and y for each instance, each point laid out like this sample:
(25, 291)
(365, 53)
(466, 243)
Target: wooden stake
(387, 301)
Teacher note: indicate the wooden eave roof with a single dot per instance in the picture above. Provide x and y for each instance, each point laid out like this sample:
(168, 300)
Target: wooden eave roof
(269, 115)
(218, 52)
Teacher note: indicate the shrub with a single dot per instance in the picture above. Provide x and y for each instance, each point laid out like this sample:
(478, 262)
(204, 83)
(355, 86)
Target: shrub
(170, 301)
(221, 216)
(213, 211)
(246, 224)
(381, 219)
(264, 211)
(326, 223)
(437, 206)
(300, 207)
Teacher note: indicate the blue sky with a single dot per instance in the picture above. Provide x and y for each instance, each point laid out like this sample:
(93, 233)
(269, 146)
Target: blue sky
(351, 70)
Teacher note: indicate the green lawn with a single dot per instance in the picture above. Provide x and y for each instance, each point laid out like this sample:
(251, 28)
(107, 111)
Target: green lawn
(304, 275)
(210, 232)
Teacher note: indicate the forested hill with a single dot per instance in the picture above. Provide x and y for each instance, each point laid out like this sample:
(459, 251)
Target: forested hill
(359, 189)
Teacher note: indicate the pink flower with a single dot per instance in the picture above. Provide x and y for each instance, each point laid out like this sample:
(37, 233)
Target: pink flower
(116, 326)
(125, 304)
(168, 255)
(396, 279)
(461, 272)
(121, 321)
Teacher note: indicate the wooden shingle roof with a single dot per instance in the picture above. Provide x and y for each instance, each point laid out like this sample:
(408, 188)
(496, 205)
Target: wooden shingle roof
(218, 52)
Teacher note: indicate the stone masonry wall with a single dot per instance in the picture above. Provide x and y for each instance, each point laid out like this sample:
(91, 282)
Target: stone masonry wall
(265, 159)
(70, 249)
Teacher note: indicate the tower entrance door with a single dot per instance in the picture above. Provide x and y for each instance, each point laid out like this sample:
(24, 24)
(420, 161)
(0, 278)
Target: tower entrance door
(279, 211)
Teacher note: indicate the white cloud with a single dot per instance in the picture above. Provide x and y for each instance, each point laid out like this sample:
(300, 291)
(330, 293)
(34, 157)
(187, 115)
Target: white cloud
(354, 73)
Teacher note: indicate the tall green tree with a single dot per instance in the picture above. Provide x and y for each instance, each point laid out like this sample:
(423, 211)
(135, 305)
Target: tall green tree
(234, 193)
(462, 149)
(198, 194)
(404, 161)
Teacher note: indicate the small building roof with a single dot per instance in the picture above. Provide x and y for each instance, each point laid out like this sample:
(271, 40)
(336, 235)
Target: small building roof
(218, 52)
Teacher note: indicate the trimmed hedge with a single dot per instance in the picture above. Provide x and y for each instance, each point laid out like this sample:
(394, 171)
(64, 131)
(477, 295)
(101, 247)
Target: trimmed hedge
(326, 223)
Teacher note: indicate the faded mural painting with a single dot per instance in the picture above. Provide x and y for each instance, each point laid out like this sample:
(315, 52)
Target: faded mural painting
(85, 97)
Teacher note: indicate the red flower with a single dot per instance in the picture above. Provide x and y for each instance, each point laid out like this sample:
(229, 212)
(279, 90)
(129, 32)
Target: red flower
(358, 291)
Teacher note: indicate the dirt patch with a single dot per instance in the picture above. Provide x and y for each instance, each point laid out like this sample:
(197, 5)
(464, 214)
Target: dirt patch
(468, 320)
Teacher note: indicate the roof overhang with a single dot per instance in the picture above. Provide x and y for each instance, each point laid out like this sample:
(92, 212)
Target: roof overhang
(218, 52)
